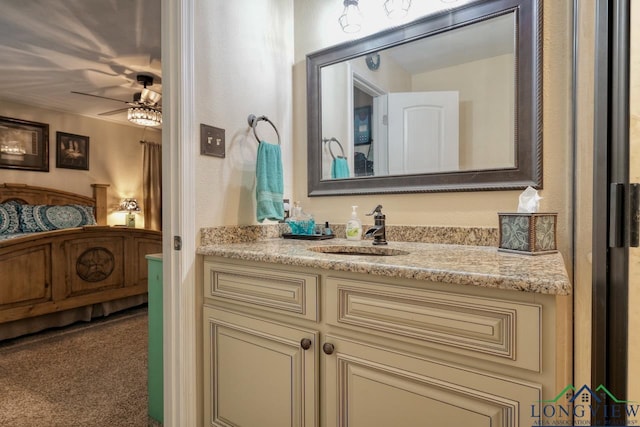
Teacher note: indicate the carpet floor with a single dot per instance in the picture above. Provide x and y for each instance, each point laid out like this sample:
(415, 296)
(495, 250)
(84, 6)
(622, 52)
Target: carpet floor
(89, 374)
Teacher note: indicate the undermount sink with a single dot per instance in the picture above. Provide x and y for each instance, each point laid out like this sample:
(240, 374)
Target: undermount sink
(358, 250)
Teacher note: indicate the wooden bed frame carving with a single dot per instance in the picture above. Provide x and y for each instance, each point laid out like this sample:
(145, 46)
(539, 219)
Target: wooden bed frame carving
(71, 269)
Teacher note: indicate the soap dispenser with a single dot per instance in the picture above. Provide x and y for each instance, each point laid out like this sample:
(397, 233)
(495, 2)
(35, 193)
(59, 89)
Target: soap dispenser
(354, 226)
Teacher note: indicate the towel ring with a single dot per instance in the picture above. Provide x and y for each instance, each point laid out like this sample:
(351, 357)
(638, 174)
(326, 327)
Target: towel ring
(328, 141)
(253, 123)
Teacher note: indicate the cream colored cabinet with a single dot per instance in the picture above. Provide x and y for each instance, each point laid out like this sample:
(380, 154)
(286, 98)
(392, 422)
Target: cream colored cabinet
(258, 373)
(367, 385)
(381, 351)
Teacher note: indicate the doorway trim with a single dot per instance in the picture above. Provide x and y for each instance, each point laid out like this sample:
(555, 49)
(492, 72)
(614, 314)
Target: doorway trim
(356, 80)
(178, 164)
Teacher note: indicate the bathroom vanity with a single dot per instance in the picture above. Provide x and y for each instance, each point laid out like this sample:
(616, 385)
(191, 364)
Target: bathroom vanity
(445, 335)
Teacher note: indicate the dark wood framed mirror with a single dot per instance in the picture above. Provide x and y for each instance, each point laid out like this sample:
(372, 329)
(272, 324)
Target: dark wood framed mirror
(482, 59)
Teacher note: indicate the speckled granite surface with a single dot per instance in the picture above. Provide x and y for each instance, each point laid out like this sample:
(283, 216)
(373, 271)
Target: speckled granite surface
(477, 236)
(459, 264)
(241, 233)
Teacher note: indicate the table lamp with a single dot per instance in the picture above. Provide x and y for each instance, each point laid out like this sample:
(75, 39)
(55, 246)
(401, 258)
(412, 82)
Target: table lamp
(131, 207)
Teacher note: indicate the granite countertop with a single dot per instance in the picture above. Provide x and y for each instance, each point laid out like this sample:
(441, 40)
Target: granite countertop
(481, 266)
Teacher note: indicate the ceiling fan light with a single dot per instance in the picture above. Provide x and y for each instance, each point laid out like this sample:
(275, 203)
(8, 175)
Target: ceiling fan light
(150, 97)
(144, 116)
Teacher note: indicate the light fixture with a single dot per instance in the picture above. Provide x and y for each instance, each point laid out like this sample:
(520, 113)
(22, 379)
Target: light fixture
(145, 112)
(145, 116)
(397, 9)
(351, 19)
(131, 207)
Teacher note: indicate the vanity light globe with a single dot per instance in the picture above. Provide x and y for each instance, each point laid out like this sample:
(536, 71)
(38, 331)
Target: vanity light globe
(351, 19)
(397, 9)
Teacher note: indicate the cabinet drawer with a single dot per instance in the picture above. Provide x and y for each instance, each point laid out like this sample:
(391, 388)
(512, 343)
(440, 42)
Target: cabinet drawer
(498, 330)
(291, 293)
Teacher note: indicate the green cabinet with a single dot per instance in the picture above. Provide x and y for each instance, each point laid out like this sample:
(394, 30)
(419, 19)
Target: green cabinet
(154, 374)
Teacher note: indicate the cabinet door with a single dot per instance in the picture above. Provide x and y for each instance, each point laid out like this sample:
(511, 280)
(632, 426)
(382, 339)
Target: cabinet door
(257, 373)
(370, 386)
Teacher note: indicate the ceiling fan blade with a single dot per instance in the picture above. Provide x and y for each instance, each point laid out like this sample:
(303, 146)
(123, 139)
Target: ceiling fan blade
(109, 113)
(98, 96)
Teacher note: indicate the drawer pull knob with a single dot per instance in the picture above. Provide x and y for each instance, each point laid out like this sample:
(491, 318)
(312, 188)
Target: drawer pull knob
(328, 348)
(305, 343)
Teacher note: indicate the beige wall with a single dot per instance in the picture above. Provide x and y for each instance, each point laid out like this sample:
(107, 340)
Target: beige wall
(314, 30)
(390, 77)
(486, 108)
(243, 61)
(115, 156)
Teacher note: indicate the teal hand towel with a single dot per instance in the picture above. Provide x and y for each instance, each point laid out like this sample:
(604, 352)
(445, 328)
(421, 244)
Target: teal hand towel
(339, 168)
(269, 183)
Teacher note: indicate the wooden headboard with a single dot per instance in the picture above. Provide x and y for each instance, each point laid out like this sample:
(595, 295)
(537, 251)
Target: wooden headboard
(31, 195)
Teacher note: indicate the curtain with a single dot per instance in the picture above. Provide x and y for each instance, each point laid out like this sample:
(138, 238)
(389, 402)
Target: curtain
(152, 186)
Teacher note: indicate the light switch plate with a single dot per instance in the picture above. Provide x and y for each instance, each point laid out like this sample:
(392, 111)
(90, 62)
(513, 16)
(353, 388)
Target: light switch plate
(212, 141)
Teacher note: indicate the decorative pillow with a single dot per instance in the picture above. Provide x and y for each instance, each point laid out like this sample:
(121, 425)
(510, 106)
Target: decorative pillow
(35, 218)
(9, 218)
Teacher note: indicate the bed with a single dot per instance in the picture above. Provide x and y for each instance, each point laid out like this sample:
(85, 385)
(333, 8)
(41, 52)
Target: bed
(52, 275)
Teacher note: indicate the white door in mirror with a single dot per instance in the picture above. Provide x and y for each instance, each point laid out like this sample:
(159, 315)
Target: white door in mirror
(427, 125)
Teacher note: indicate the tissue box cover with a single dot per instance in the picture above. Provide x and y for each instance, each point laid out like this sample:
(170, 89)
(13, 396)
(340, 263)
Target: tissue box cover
(528, 233)
(302, 227)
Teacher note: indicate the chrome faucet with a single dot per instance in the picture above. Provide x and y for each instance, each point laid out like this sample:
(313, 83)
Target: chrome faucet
(378, 231)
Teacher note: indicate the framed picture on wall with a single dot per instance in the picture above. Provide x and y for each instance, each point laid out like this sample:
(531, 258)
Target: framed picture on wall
(24, 145)
(72, 151)
(362, 125)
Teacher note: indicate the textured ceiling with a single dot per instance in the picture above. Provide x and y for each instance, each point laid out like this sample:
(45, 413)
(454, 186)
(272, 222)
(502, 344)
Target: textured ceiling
(50, 48)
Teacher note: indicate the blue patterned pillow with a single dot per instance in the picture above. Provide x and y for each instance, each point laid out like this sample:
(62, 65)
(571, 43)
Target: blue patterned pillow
(35, 218)
(9, 218)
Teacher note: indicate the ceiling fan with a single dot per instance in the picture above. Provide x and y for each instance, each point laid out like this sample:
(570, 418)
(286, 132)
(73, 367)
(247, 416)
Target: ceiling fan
(144, 110)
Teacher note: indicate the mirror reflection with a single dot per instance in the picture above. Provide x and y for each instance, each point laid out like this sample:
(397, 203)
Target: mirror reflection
(443, 103)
